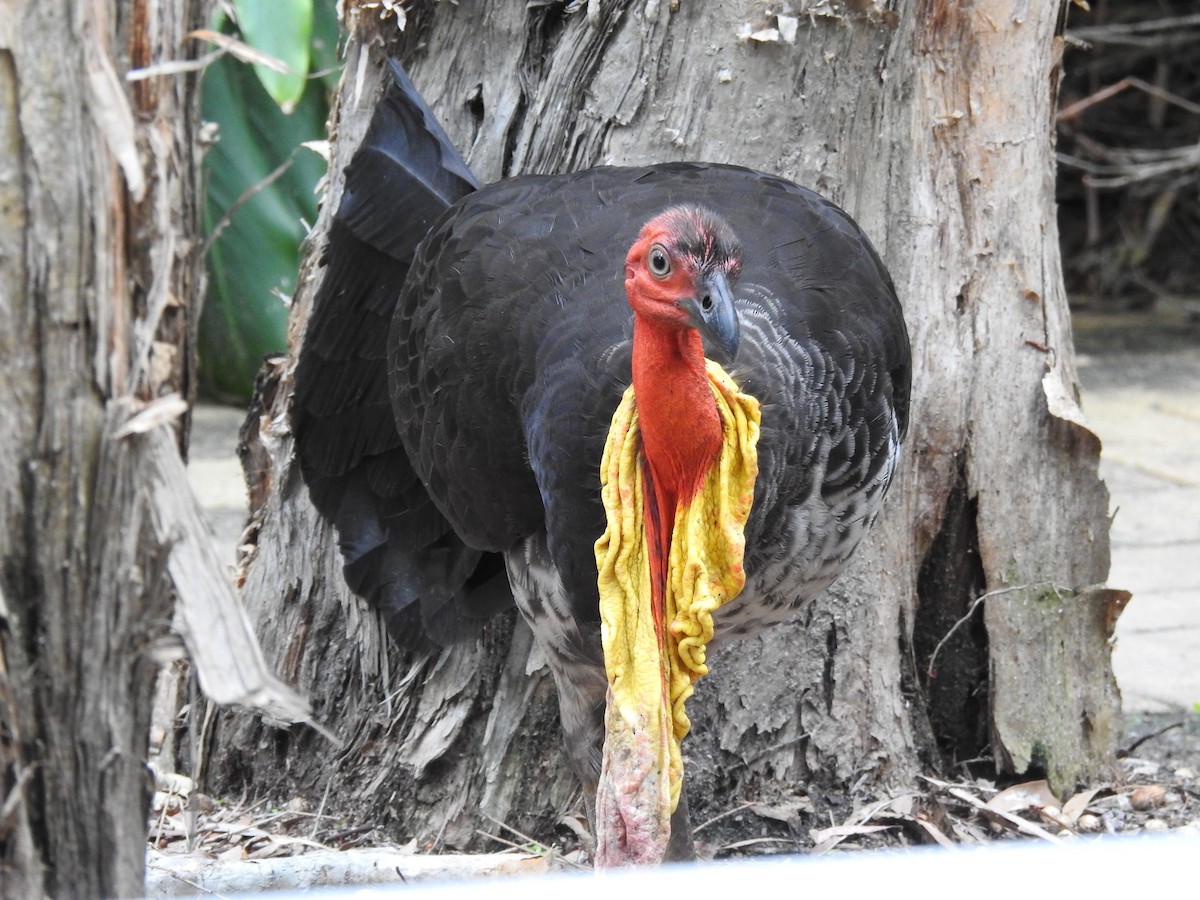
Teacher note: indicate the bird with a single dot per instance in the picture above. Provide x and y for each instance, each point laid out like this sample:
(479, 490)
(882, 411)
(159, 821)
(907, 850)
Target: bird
(657, 407)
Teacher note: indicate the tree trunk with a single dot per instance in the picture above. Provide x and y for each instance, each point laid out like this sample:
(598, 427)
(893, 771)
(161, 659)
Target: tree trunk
(99, 279)
(933, 128)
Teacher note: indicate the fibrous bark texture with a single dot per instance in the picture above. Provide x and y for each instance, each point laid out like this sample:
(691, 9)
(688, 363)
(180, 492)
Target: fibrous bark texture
(99, 221)
(932, 126)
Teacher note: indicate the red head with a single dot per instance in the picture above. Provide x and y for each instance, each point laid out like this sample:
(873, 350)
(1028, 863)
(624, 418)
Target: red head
(678, 274)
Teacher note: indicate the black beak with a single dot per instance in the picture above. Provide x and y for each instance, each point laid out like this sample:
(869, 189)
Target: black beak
(712, 314)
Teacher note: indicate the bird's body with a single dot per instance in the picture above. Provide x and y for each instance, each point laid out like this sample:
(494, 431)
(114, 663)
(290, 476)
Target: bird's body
(510, 346)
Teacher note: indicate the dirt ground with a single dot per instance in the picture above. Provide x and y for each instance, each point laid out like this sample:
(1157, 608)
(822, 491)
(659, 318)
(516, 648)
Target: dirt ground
(1164, 748)
(1157, 791)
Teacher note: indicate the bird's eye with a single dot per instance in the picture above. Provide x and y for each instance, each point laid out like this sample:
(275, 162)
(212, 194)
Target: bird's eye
(660, 261)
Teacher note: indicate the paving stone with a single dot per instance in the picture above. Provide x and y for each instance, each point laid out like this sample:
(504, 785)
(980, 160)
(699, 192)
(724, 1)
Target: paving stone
(1158, 670)
(215, 475)
(1154, 612)
(1145, 406)
(1145, 512)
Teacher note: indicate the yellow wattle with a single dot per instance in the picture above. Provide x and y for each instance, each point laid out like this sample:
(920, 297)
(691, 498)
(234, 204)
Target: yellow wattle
(649, 681)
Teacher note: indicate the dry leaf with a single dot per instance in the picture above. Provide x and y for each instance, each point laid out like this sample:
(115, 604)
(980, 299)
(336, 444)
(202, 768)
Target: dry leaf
(1075, 807)
(934, 832)
(162, 411)
(1030, 795)
(786, 811)
(999, 816)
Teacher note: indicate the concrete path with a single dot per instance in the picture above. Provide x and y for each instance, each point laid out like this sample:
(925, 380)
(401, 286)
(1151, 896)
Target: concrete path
(216, 474)
(1141, 396)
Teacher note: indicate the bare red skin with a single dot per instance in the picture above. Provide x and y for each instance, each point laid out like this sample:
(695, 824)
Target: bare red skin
(678, 421)
(677, 417)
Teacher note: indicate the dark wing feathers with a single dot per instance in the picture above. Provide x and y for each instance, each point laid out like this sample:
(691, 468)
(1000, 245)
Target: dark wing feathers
(405, 173)
(397, 546)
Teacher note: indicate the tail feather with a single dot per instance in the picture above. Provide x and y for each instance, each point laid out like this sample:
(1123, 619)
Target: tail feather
(399, 551)
(407, 158)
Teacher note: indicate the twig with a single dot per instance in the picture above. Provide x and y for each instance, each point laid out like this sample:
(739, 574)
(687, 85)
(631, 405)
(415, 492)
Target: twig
(1015, 822)
(750, 842)
(929, 672)
(530, 844)
(196, 886)
(719, 816)
(1158, 163)
(158, 834)
(246, 196)
(1147, 737)
(1100, 96)
(176, 66)
(512, 845)
(1164, 95)
(16, 796)
(194, 752)
(344, 835)
(1129, 81)
(529, 840)
(312, 834)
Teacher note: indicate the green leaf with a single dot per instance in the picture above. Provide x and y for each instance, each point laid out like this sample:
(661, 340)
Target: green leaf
(256, 256)
(326, 32)
(282, 29)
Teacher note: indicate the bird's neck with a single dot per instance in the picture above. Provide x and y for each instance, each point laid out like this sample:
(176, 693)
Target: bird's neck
(679, 425)
(677, 416)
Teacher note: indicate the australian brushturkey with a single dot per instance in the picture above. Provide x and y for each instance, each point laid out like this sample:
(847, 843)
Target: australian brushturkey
(463, 391)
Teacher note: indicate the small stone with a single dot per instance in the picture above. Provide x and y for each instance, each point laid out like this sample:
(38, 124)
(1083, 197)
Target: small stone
(1156, 826)
(1089, 824)
(1139, 768)
(1114, 821)
(1150, 796)
(1184, 773)
(204, 803)
(1052, 815)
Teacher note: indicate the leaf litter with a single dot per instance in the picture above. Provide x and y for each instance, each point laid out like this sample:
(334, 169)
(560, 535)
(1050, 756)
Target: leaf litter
(1156, 791)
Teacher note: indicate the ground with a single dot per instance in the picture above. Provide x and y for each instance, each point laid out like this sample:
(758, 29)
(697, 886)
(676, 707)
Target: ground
(1157, 791)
